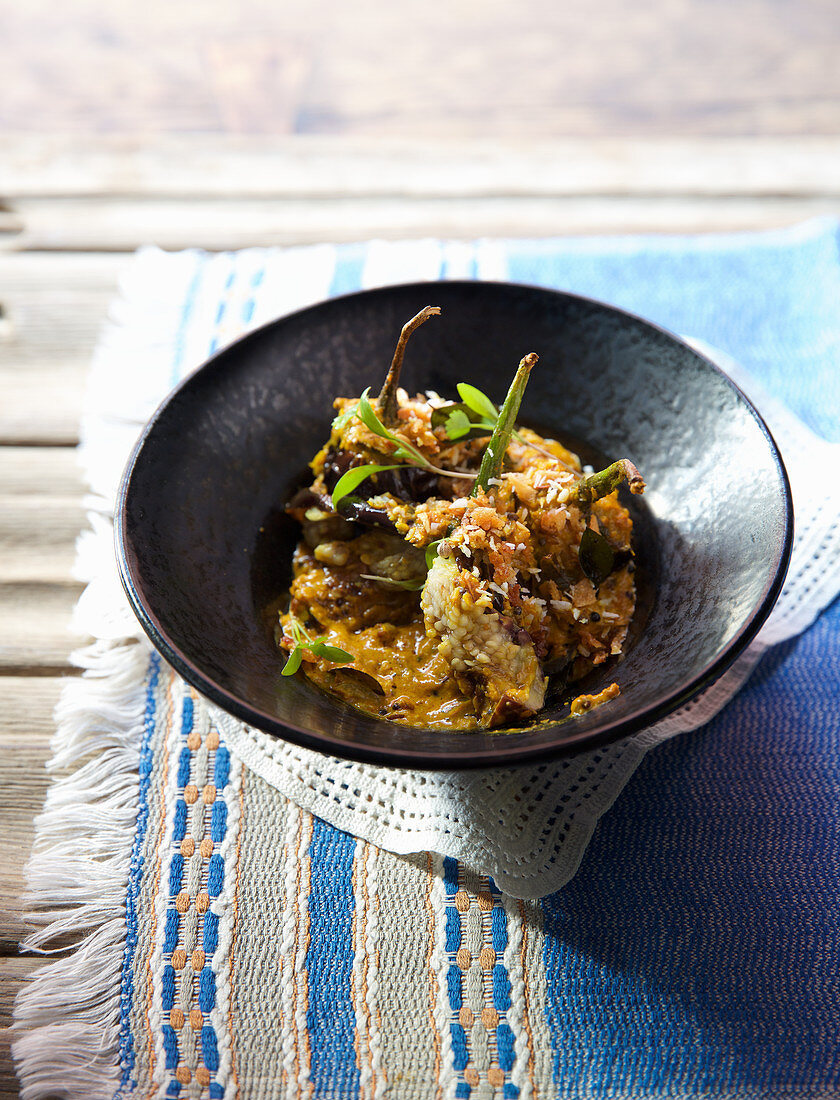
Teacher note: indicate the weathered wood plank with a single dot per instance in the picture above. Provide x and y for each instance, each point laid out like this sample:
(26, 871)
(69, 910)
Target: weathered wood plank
(36, 640)
(14, 974)
(26, 727)
(49, 306)
(28, 782)
(51, 472)
(53, 308)
(41, 515)
(27, 418)
(38, 536)
(551, 69)
(27, 714)
(226, 166)
(122, 224)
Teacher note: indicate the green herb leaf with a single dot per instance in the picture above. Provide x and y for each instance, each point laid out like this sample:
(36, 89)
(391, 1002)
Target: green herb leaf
(457, 423)
(409, 586)
(464, 415)
(343, 419)
(369, 418)
(293, 663)
(485, 413)
(365, 411)
(479, 402)
(441, 415)
(432, 552)
(597, 557)
(353, 478)
(402, 452)
(404, 449)
(316, 646)
(331, 653)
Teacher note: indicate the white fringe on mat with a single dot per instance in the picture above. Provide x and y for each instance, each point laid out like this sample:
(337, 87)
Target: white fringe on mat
(69, 1012)
(67, 1018)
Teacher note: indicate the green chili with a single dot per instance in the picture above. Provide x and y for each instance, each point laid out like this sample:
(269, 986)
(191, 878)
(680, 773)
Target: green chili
(491, 462)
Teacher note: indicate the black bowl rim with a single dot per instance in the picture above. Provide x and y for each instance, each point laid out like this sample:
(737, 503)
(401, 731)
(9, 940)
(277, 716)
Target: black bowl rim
(406, 758)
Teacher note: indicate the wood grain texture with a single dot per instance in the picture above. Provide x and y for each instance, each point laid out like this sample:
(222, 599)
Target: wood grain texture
(38, 535)
(448, 67)
(14, 974)
(117, 224)
(51, 473)
(120, 194)
(26, 728)
(41, 516)
(53, 308)
(36, 638)
(309, 166)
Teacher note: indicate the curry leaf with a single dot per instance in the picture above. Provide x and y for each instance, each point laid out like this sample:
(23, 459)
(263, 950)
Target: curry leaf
(353, 478)
(597, 557)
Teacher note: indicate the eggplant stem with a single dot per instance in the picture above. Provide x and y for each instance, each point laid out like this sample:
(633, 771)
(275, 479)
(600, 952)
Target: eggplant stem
(606, 481)
(388, 396)
(494, 453)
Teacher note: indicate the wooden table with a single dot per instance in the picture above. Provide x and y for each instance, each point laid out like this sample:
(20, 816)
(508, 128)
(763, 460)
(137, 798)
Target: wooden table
(72, 210)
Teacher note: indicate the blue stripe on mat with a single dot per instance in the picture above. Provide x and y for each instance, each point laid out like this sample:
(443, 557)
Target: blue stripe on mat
(697, 951)
(349, 264)
(330, 1018)
(126, 1042)
(181, 336)
(769, 299)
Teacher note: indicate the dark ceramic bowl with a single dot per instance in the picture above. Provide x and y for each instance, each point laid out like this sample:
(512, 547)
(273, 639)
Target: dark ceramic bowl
(204, 545)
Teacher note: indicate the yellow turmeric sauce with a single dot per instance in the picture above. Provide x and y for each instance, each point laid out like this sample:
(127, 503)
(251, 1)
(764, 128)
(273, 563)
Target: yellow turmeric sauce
(416, 685)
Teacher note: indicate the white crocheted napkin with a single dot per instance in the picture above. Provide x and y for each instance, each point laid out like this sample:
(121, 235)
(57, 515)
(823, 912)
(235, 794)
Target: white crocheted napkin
(528, 827)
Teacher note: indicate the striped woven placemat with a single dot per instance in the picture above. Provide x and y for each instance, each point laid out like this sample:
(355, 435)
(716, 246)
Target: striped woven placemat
(233, 944)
